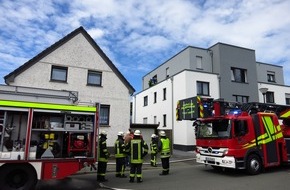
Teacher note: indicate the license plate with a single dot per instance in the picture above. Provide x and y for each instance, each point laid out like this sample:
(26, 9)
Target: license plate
(209, 159)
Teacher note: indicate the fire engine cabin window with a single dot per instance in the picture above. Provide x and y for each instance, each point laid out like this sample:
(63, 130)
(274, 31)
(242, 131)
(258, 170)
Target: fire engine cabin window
(58, 74)
(104, 115)
(215, 129)
(240, 127)
(239, 75)
(202, 88)
(94, 78)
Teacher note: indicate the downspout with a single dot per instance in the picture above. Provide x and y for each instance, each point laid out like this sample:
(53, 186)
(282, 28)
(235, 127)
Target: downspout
(172, 109)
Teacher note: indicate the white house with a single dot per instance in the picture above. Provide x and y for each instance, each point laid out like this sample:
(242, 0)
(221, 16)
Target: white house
(76, 63)
(221, 71)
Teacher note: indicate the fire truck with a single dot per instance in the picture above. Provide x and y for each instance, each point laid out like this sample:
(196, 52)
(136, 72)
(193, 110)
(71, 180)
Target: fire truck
(44, 134)
(250, 136)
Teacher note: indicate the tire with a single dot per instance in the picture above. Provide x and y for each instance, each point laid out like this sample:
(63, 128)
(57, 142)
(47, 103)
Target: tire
(18, 176)
(254, 164)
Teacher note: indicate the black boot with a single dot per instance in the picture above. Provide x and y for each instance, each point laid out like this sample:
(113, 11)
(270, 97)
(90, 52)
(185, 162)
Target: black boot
(139, 180)
(131, 180)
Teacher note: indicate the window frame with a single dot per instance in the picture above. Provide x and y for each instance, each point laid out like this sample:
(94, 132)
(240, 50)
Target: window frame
(155, 98)
(164, 93)
(237, 97)
(94, 73)
(164, 120)
(103, 106)
(202, 91)
(60, 68)
(145, 101)
(271, 76)
(234, 75)
(270, 98)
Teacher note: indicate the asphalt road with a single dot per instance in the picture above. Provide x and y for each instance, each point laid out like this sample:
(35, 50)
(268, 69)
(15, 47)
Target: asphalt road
(183, 175)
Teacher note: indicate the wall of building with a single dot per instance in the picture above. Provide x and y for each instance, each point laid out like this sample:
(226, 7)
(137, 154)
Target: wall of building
(176, 64)
(263, 69)
(280, 92)
(79, 56)
(237, 57)
(185, 87)
(179, 86)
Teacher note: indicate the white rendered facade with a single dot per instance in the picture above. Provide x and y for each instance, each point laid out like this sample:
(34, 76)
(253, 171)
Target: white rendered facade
(80, 55)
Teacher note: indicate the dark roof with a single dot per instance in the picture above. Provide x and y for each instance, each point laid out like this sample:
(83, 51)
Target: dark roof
(56, 45)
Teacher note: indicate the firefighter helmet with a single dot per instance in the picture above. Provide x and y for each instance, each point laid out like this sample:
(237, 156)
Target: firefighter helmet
(121, 133)
(162, 133)
(153, 136)
(104, 133)
(137, 133)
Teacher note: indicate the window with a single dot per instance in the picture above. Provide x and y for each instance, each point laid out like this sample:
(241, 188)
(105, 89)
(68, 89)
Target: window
(167, 72)
(198, 62)
(94, 78)
(270, 97)
(239, 75)
(104, 114)
(145, 120)
(287, 97)
(271, 76)
(155, 97)
(58, 74)
(242, 99)
(164, 120)
(146, 101)
(202, 88)
(240, 127)
(155, 119)
(164, 93)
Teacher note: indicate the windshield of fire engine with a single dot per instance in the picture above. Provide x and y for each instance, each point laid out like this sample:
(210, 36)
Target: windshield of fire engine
(213, 129)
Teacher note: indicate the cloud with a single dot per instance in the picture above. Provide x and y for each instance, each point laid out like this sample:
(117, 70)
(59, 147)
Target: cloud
(140, 35)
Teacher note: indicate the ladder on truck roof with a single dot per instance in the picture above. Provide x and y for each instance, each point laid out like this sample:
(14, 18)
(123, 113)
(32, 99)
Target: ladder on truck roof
(19, 93)
(254, 107)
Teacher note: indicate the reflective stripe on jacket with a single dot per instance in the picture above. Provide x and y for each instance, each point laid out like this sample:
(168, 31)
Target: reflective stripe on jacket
(138, 149)
(120, 148)
(165, 148)
(103, 153)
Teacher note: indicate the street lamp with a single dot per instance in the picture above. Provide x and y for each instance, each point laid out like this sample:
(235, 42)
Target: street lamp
(264, 91)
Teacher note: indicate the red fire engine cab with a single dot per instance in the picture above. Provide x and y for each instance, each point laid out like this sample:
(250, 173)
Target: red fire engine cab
(44, 135)
(247, 136)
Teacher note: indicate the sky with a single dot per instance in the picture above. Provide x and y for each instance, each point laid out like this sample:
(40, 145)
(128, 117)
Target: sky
(138, 36)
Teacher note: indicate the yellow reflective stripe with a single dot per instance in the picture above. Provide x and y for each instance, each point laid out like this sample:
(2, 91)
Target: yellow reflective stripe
(46, 106)
(287, 114)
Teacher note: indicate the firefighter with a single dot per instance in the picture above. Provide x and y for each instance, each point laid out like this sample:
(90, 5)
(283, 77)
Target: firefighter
(153, 149)
(120, 155)
(137, 148)
(164, 149)
(103, 156)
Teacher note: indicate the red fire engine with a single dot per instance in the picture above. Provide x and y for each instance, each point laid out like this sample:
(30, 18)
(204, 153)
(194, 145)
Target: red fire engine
(247, 136)
(43, 140)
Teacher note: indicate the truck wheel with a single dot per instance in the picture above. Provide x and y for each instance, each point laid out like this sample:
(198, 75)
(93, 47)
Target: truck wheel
(18, 176)
(254, 164)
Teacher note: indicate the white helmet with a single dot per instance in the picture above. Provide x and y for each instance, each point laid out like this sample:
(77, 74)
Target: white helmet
(153, 136)
(104, 133)
(137, 133)
(162, 133)
(121, 133)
